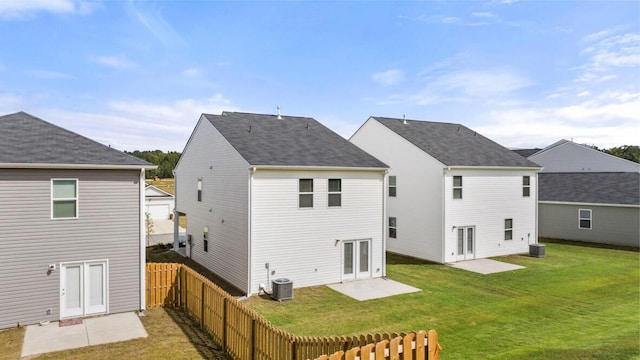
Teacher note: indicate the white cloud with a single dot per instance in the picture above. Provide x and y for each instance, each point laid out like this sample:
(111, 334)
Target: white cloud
(155, 23)
(389, 77)
(608, 54)
(191, 72)
(19, 9)
(140, 125)
(483, 14)
(116, 62)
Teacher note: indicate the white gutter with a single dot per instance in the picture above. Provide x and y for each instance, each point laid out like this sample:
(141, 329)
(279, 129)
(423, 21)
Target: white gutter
(321, 168)
(143, 241)
(75, 166)
(510, 168)
(385, 189)
(587, 204)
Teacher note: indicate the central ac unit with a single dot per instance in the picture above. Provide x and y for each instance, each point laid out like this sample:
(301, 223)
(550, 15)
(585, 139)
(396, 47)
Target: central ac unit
(282, 289)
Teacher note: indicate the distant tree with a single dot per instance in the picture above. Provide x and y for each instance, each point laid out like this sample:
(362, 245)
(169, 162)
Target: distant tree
(166, 162)
(629, 152)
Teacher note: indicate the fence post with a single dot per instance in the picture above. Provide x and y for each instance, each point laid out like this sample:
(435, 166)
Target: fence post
(202, 304)
(294, 348)
(433, 352)
(253, 338)
(224, 323)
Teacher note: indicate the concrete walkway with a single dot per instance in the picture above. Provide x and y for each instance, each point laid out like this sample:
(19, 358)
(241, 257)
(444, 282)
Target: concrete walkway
(372, 288)
(93, 331)
(485, 266)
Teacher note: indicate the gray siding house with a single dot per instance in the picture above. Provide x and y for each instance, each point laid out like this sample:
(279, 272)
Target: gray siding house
(71, 224)
(587, 195)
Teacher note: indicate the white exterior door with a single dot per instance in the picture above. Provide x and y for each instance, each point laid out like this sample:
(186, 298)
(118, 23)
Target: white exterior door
(356, 259)
(466, 243)
(83, 289)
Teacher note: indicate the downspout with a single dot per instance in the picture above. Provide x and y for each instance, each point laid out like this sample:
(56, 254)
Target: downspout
(176, 217)
(143, 241)
(535, 232)
(250, 229)
(385, 188)
(443, 241)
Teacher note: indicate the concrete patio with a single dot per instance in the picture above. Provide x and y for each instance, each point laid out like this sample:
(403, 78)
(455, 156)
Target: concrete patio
(372, 288)
(485, 266)
(39, 339)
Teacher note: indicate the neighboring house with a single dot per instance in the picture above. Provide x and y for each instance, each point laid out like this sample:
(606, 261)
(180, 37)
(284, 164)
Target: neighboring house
(453, 194)
(71, 225)
(587, 195)
(269, 197)
(590, 206)
(159, 203)
(567, 156)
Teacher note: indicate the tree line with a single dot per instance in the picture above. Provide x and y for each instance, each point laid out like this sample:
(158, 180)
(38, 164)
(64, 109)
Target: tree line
(166, 162)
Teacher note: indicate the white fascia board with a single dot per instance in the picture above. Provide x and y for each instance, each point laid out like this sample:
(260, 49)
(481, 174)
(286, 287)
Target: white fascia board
(514, 168)
(75, 166)
(315, 168)
(587, 204)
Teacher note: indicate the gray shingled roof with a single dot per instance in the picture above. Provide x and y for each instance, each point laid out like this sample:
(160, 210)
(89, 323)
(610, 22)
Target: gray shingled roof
(590, 187)
(290, 141)
(455, 144)
(526, 152)
(26, 139)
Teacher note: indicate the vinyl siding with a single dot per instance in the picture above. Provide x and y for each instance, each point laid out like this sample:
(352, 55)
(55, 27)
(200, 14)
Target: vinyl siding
(107, 228)
(224, 205)
(305, 244)
(572, 157)
(488, 198)
(609, 224)
(418, 204)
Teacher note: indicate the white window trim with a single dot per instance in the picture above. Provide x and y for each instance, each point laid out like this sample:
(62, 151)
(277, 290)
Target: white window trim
(526, 186)
(395, 186)
(581, 218)
(454, 187)
(306, 193)
(77, 198)
(508, 229)
(329, 193)
(389, 227)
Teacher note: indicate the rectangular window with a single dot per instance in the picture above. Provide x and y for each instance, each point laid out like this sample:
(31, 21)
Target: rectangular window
(199, 189)
(584, 218)
(305, 196)
(205, 236)
(526, 186)
(335, 192)
(392, 186)
(392, 227)
(457, 187)
(64, 199)
(508, 229)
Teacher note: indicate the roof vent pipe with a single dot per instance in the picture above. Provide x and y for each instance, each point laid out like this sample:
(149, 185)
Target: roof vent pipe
(279, 116)
(404, 119)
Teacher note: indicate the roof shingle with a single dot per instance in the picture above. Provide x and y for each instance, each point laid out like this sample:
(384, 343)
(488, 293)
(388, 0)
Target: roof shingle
(455, 144)
(26, 139)
(289, 141)
(590, 187)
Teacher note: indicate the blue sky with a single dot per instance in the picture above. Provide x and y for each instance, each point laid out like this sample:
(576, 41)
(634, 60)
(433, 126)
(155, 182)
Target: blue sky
(137, 75)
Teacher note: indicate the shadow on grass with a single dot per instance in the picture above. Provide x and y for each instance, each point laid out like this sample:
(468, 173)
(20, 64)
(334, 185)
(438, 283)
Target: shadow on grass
(398, 259)
(199, 338)
(590, 244)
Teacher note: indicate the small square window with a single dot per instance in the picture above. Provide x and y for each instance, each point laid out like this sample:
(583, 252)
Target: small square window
(392, 227)
(393, 189)
(305, 193)
(508, 229)
(335, 192)
(584, 219)
(457, 187)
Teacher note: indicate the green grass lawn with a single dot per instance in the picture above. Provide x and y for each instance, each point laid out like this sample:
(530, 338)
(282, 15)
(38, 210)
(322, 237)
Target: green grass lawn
(576, 303)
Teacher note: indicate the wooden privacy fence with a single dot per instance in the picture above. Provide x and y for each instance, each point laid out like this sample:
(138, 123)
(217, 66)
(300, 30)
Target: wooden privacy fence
(245, 334)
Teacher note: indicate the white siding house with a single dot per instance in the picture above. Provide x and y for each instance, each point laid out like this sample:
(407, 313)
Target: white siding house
(271, 197)
(453, 194)
(159, 204)
(71, 225)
